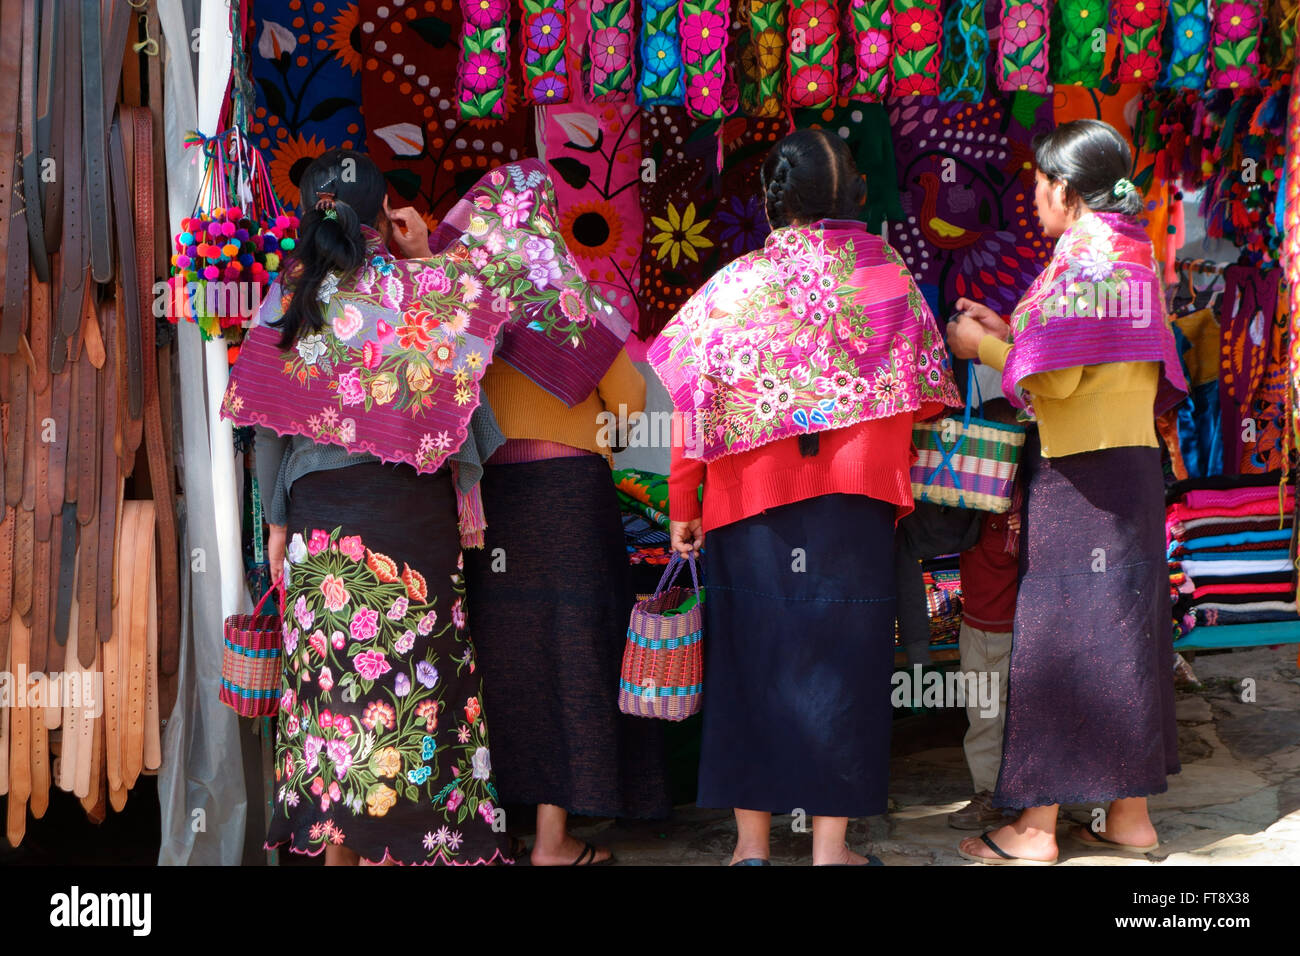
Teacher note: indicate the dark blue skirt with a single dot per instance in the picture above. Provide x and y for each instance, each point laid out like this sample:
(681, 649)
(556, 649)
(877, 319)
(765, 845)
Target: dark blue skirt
(799, 651)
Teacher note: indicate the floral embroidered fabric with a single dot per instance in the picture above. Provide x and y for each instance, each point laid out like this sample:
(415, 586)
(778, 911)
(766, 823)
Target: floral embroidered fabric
(484, 68)
(873, 40)
(610, 29)
(917, 32)
(1189, 28)
(704, 25)
(394, 370)
(661, 78)
(823, 328)
(1099, 300)
(965, 50)
(813, 54)
(1139, 24)
(1078, 48)
(1234, 58)
(762, 60)
(545, 43)
(381, 742)
(1022, 47)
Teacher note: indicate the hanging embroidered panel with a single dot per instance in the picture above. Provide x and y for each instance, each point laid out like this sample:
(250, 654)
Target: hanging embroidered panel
(917, 29)
(704, 26)
(1022, 48)
(610, 28)
(874, 43)
(1234, 40)
(982, 240)
(812, 62)
(762, 88)
(429, 153)
(965, 50)
(308, 88)
(1189, 30)
(594, 151)
(1078, 49)
(1138, 24)
(661, 57)
(545, 36)
(484, 66)
(697, 219)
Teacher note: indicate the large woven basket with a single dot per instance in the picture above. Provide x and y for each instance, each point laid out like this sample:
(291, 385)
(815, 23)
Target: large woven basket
(663, 663)
(250, 661)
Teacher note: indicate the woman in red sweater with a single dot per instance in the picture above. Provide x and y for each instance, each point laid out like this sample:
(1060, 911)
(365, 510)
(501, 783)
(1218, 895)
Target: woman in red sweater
(799, 370)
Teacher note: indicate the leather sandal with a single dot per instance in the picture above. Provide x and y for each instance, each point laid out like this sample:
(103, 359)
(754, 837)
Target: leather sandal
(1003, 858)
(1085, 837)
(752, 861)
(588, 857)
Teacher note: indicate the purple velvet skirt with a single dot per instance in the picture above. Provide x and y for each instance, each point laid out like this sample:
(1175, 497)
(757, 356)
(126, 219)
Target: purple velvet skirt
(1090, 698)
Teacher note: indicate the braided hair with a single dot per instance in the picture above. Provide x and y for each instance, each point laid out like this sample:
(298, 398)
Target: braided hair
(340, 191)
(1093, 161)
(810, 175)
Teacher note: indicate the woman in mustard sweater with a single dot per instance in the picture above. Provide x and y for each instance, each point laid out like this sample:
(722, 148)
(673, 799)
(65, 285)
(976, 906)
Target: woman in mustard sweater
(1090, 706)
(551, 602)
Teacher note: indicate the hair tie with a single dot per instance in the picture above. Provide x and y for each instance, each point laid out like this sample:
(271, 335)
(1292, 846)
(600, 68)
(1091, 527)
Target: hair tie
(325, 199)
(1122, 188)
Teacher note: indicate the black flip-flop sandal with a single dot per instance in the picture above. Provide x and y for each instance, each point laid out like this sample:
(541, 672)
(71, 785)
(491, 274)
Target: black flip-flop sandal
(588, 857)
(1085, 836)
(1003, 858)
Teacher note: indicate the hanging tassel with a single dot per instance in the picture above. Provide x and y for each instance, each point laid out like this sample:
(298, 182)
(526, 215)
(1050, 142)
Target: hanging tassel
(469, 512)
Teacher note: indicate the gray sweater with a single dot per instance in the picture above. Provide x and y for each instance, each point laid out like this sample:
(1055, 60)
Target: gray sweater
(282, 460)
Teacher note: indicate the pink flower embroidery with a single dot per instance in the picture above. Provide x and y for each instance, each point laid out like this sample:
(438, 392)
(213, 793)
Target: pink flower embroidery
(481, 72)
(365, 624)
(384, 331)
(351, 546)
(336, 595)
(320, 541)
(610, 49)
(398, 610)
(303, 613)
(347, 325)
(1021, 23)
(432, 281)
(513, 209)
(483, 13)
(340, 755)
(702, 33)
(351, 391)
(371, 664)
(873, 50)
(455, 799)
(372, 353)
(705, 93)
(427, 622)
(458, 615)
(326, 680)
(311, 751)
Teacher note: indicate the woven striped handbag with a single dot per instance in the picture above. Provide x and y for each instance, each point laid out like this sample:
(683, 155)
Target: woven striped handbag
(663, 663)
(250, 661)
(970, 463)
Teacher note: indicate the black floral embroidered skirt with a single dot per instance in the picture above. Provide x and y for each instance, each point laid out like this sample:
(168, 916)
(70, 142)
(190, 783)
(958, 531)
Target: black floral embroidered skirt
(382, 743)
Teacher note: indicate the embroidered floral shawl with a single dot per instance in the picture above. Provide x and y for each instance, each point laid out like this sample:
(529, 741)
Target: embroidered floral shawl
(394, 371)
(1099, 300)
(822, 328)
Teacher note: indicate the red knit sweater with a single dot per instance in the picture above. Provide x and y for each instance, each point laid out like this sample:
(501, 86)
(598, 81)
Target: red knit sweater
(871, 458)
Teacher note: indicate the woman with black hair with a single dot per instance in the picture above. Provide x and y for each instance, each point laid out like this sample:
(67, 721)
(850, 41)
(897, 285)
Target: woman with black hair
(379, 674)
(1089, 354)
(798, 372)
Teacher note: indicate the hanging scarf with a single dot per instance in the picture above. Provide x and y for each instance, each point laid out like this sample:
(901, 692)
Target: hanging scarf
(704, 54)
(610, 26)
(762, 77)
(823, 328)
(1291, 251)
(1022, 48)
(661, 56)
(481, 80)
(965, 49)
(872, 24)
(394, 370)
(1138, 23)
(1078, 49)
(917, 29)
(545, 43)
(1190, 29)
(813, 56)
(1099, 300)
(1234, 52)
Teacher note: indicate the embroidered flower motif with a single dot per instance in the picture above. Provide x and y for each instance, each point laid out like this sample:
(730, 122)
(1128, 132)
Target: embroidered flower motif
(364, 625)
(812, 84)
(384, 388)
(454, 800)
(427, 622)
(326, 680)
(336, 595)
(372, 355)
(379, 713)
(680, 235)
(380, 798)
(873, 50)
(386, 762)
(401, 685)
(472, 709)
(312, 348)
(610, 49)
(384, 567)
(350, 389)
(351, 546)
(426, 674)
(427, 710)
(416, 587)
(482, 71)
(458, 614)
(1022, 23)
(303, 613)
(398, 609)
(340, 755)
(704, 32)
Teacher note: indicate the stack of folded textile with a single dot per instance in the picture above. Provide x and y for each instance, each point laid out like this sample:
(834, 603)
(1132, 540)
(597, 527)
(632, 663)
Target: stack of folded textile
(1229, 556)
(643, 499)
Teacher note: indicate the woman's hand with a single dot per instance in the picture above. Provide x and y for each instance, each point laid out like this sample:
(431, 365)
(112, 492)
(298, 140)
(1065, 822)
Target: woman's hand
(985, 317)
(275, 550)
(687, 536)
(964, 337)
(410, 236)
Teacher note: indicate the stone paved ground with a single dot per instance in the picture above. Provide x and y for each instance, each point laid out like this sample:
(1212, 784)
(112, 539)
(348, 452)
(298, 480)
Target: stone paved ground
(1237, 800)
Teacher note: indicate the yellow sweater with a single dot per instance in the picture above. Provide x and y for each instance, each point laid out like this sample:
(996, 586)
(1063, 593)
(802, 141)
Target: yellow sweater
(1088, 407)
(525, 410)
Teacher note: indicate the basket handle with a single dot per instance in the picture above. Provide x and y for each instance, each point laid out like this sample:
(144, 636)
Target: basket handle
(276, 585)
(674, 568)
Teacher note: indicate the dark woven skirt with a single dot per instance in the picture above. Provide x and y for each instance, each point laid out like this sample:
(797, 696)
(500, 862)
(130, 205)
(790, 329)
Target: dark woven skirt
(382, 743)
(1090, 697)
(799, 650)
(551, 607)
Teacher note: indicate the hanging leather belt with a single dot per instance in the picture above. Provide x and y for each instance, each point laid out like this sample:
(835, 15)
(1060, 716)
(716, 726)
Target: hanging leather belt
(11, 13)
(93, 144)
(73, 261)
(15, 442)
(36, 62)
(54, 30)
(127, 275)
(109, 485)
